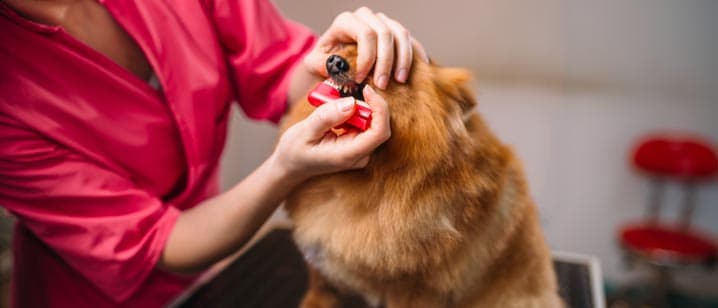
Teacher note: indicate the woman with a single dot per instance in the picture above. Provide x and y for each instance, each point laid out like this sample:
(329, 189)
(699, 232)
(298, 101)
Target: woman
(113, 116)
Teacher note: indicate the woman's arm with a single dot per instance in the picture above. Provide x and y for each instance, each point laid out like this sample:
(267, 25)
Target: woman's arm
(214, 229)
(220, 226)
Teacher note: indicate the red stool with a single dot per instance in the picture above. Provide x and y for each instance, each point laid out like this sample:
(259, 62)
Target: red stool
(687, 161)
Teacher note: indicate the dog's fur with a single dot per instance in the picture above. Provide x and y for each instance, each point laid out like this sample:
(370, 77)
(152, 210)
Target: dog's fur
(441, 216)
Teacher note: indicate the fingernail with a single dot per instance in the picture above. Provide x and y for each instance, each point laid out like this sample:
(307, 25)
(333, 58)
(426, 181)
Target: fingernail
(381, 81)
(346, 104)
(359, 78)
(368, 90)
(402, 75)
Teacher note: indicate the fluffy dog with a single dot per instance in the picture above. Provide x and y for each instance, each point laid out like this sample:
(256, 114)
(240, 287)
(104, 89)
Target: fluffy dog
(440, 217)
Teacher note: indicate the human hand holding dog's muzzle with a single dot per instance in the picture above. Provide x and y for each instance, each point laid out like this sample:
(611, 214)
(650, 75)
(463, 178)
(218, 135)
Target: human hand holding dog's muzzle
(383, 44)
(310, 147)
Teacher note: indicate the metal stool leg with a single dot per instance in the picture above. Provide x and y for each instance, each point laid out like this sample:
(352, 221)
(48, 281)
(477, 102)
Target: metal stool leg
(663, 285)
(689, 204)
(655, 199)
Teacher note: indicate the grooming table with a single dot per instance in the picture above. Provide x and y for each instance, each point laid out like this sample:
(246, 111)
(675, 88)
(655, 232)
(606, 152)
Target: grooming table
(272, 274)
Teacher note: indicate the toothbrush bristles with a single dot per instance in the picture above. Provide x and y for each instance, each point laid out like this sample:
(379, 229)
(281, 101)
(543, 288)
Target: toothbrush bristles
(346, 89)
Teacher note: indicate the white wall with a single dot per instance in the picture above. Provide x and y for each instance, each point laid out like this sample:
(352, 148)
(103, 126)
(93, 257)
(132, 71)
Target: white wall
(575, 148)
(570, 84)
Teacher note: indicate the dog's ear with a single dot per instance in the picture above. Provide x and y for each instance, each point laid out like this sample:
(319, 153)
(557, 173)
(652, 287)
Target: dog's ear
(454, 82)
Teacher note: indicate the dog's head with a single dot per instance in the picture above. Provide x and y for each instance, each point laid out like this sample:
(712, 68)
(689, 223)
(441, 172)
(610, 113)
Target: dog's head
(429, 114)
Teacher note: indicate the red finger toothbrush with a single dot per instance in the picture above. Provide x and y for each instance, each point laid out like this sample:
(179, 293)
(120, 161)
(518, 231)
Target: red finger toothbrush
(326, 91)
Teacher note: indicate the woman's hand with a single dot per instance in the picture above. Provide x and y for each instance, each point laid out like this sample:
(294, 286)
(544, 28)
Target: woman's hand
(378, 37)
(309, 148)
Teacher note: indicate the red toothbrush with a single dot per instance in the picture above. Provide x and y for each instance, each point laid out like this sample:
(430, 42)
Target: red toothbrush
(326, 91)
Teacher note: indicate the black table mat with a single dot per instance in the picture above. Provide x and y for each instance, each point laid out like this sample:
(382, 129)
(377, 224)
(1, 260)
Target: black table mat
(272, 274)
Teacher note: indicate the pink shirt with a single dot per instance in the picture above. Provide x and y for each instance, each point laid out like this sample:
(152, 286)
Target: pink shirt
(97, 165)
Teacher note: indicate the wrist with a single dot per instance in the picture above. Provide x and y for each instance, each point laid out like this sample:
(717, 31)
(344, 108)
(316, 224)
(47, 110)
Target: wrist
(283, 172)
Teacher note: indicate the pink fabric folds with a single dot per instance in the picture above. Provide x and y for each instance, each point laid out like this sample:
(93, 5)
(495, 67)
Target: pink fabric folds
(97, 165)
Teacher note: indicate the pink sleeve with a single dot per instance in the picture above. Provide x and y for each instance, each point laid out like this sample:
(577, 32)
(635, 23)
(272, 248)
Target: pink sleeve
(99, 223)
(262, 48)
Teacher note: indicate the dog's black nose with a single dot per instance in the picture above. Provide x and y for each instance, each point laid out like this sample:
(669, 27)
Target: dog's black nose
(337, 65)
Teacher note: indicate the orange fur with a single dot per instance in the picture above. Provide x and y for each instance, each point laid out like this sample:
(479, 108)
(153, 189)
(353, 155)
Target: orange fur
(441, 216)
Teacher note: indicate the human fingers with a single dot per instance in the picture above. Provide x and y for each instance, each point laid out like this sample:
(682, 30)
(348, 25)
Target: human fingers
(403, 48)
(348, 27)
(419, 50)
(345, 28)
(327, 116)
(380, 111)
(384, 47)
(361, 163)
(379, 129)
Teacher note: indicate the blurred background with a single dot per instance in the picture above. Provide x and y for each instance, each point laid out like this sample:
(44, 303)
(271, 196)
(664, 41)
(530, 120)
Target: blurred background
(572, 86)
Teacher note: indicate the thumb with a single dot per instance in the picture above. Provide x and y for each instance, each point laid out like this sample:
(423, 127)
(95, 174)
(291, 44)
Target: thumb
(329, 115)
(315, 62)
